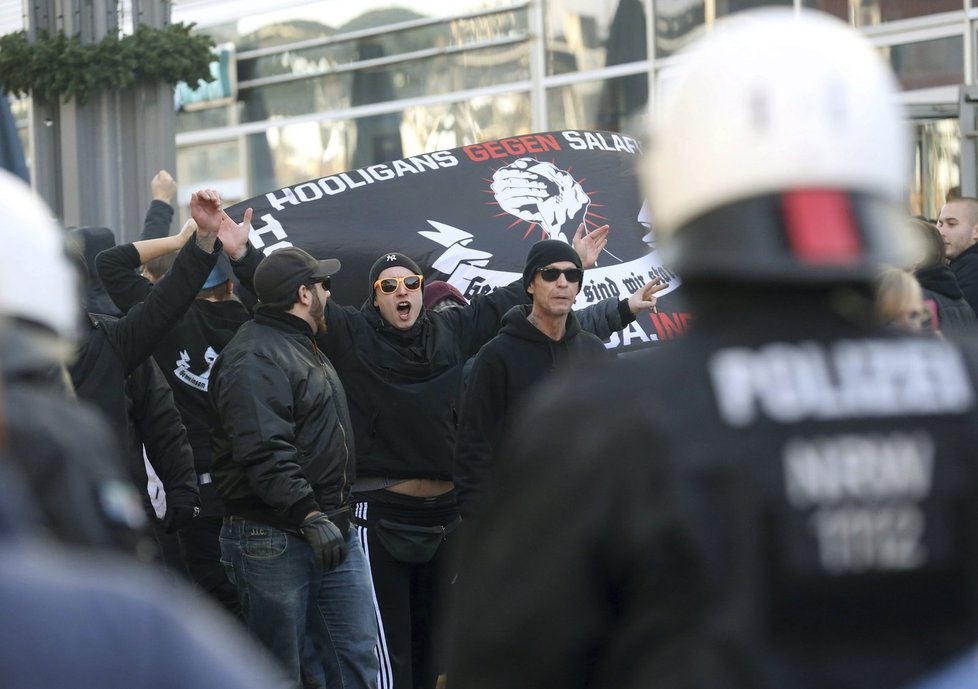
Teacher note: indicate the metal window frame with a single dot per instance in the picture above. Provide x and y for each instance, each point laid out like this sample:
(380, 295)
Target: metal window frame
(379, 31)
(416, 55)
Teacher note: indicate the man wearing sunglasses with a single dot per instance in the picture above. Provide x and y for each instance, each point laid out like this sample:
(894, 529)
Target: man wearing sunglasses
(401, 366)
(535, 340)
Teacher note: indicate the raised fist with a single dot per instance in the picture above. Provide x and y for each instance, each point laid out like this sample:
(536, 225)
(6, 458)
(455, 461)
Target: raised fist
(541, 193)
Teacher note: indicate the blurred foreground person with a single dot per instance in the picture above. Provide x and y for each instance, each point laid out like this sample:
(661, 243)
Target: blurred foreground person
(789, 499)
(951, 314)
(900, 301)
(67, 454)
(94, 621)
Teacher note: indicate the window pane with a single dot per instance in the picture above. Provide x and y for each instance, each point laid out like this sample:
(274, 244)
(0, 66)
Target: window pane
(320, 19)
(20, 109)
(924, 64)
(206, 118)
(869, 12)
(286, 155)
(607, 32)
(615, 105)
(215, 166)
(675, 20)
(937, 147)
(454, 34)
(442, 74)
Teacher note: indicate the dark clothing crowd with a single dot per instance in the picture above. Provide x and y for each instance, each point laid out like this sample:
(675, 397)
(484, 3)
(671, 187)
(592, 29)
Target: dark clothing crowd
(214, 474)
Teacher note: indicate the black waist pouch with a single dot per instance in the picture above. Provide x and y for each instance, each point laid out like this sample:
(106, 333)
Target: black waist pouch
(410, 543)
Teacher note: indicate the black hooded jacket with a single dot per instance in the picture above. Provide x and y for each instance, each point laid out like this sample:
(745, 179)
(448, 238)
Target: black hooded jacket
(403, 386)
(112, 350)
(954, 314)
(505, 369)
(965, 269)
(185, 353)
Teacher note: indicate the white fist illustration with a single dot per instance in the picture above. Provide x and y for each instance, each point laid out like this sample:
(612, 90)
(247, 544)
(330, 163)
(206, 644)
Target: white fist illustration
(541, 193)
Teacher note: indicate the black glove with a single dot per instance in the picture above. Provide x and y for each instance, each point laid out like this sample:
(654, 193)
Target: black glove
(326, 539)
(179, 515)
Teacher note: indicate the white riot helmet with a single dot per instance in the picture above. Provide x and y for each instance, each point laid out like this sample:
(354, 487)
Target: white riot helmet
(780, 154)
(38, 284)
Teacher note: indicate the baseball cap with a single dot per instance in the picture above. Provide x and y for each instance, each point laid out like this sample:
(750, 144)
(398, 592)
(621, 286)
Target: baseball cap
(281, 273)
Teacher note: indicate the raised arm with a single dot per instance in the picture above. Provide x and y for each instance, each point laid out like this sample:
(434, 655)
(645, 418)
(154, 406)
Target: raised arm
(160, 212)
(611, 315)
(590, 245)
(136, 334)
(117, 266)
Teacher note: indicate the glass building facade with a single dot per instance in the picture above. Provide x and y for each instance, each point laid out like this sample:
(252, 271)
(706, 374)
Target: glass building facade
(324, 86)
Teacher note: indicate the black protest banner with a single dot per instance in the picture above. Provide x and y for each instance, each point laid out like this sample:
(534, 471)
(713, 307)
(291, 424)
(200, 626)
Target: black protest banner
(469, 215)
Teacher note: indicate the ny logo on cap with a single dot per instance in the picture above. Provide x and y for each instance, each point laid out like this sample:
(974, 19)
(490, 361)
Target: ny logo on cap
(391, 257)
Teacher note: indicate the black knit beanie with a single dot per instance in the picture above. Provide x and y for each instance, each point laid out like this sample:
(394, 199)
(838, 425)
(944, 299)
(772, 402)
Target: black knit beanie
(545, 252)
(391, 260)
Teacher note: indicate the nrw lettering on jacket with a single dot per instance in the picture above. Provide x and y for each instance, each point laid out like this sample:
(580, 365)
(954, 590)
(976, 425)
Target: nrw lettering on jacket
(793, 382)
(866, 494)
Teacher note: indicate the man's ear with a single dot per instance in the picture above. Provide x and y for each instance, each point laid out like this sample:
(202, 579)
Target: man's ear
(229, 287)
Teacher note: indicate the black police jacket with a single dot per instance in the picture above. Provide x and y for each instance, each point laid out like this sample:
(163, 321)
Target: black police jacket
(283, 445)
(782, 500)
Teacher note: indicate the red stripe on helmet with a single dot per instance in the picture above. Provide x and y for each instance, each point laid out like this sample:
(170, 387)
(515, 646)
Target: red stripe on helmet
(821, 226)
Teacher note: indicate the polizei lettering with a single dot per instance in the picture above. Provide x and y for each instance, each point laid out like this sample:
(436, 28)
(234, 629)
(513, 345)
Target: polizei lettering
(788, 383)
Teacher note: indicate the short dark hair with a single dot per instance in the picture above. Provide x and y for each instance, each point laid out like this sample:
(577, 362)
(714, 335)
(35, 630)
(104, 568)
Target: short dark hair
(971, 203)
(286, 303)
(215, 292)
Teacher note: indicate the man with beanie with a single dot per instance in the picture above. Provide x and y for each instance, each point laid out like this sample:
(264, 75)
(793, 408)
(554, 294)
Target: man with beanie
(790, 499)
(535, 340)
(284, 463)
(185, 355)
(401, 365)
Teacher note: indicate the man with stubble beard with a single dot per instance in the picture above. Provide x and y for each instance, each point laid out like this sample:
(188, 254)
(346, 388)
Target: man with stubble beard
(284, 463)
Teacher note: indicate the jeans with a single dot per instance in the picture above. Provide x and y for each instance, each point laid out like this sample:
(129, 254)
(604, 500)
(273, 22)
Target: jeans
(320, 625)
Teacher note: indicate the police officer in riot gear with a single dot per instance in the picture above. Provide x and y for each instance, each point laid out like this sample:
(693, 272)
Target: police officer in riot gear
(788, 497)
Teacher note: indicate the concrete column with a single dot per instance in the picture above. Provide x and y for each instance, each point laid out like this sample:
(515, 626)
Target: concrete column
(93, 162)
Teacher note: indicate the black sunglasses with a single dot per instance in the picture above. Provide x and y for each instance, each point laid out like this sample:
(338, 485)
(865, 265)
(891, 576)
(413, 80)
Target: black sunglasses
(325, 282)
(551, 274)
